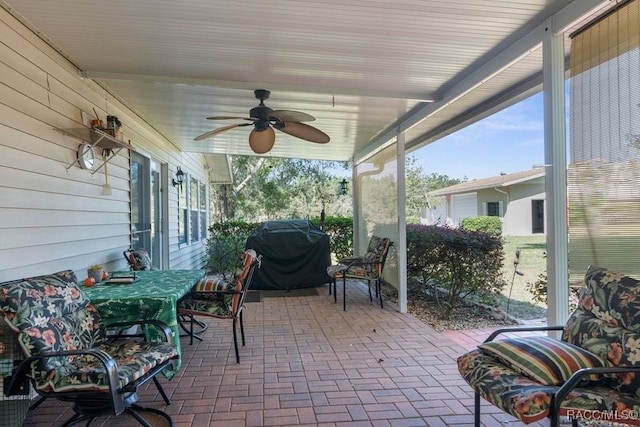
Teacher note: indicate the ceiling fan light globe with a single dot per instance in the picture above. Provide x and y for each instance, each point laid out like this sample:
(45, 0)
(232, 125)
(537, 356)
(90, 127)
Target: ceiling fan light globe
(262, 141)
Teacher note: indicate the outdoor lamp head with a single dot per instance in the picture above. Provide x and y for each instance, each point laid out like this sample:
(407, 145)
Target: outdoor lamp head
(179, 178)
(344, 186)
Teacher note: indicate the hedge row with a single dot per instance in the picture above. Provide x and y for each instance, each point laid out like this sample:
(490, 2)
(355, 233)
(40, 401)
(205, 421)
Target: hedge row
(459, 261)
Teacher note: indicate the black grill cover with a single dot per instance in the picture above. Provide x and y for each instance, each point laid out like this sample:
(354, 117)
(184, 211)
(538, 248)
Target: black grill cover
(295, 254)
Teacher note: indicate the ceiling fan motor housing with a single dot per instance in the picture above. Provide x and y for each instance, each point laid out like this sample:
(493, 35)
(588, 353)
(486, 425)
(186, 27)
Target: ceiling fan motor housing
(261, 113)
(262, 94)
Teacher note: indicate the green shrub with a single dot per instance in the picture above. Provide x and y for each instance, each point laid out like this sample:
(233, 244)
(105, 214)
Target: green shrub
(485, 224)
(227, 240)
(461, 262)
(340, 232)
(539, 292)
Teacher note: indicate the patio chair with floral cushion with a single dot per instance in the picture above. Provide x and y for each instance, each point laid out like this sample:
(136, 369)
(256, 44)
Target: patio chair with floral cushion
(71, 355)
(368, 267)
(138, 259)
(593, 373)
(215, 297)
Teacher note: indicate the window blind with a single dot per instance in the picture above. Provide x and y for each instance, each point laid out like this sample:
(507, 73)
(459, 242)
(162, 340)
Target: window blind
(604, 169)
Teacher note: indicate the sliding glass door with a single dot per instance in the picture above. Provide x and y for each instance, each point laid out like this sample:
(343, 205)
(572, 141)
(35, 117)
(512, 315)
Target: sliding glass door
(146, 207)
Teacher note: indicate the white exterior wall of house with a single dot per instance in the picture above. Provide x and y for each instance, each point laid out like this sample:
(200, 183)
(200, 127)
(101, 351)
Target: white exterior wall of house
(515, 206)
(516, 213)
(52, 218)
(518, 217)
(462, 206)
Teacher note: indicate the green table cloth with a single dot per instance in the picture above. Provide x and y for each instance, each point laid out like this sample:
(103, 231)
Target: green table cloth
(154, 296)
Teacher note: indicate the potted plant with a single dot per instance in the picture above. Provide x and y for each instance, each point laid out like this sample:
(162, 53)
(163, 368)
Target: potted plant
(95, 271)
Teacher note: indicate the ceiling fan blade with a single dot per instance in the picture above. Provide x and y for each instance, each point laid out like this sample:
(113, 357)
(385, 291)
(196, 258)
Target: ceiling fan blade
(303, 131)
(261, 141)
(230, 118)
(291, 116)
(217, 131)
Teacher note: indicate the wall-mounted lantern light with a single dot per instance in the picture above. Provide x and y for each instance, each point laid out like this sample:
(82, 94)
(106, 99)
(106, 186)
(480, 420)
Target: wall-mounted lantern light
(178, 179)
(344, 186)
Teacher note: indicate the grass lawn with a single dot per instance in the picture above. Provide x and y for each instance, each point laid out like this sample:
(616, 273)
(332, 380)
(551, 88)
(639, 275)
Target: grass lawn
(515, 299)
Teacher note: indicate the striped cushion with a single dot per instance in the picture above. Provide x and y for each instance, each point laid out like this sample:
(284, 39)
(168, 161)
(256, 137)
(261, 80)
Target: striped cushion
(211, 284)
(543, 359)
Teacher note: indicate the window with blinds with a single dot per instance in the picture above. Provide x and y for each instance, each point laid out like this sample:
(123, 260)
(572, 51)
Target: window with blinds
(604, 170)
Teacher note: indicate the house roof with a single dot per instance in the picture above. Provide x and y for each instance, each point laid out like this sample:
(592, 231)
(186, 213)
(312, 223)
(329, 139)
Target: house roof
(501, 181)
(364, 70)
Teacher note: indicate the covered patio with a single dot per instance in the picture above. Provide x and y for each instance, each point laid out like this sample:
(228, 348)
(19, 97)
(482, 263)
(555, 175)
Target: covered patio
(307, 362)
(406, 75)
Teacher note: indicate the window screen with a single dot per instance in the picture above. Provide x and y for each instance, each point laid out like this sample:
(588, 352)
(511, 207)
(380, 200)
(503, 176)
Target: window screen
(604, 172)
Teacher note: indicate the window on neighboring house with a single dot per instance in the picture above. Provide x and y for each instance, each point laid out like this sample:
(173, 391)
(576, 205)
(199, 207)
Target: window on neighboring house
(494, 209)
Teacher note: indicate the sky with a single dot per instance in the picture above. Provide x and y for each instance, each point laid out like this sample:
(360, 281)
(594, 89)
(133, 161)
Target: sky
(511, 140)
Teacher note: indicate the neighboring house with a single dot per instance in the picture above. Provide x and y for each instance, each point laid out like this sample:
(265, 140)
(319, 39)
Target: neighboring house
(517, 198)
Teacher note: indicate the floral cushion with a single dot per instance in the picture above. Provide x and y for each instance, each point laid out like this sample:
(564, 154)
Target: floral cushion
(367, 267)
(139, 260)
(545, 360)
(530, 401)
(214, 306)
(359, 272)
(51, 314)
(86, 373)
(214, 296)
(606, 323)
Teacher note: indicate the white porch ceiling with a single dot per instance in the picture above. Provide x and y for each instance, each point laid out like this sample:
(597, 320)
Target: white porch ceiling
(363, 68)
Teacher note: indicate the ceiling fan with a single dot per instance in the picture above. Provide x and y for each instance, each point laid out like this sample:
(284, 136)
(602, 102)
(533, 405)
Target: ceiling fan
(264, 120)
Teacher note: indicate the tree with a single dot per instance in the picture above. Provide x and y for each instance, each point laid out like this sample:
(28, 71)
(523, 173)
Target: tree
(267, 188)
(419, 184)
(273, 188)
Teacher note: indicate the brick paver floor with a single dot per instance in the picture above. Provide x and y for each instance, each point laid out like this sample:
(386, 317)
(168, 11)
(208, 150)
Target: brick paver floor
(309, 363)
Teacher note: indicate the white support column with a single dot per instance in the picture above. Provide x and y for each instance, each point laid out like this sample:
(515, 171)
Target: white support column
(356, 203)
(556, 177)
(401, 244)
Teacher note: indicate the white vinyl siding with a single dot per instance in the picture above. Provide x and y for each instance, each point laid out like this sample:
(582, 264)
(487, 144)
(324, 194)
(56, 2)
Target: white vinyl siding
(52, 218)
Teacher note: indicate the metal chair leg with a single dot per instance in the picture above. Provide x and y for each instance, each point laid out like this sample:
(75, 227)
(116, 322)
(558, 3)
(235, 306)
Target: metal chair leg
(344, 293)
(161, 390)
(242, 328)
(235, 341)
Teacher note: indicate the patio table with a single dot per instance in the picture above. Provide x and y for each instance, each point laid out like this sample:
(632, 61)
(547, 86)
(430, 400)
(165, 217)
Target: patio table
(154, 296)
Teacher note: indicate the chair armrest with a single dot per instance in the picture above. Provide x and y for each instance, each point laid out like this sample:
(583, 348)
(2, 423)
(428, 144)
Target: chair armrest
(359, 262)
(221, 292)
(349, 259)
(574, 380)
(110, 365)
(523, 329)
(160, 326)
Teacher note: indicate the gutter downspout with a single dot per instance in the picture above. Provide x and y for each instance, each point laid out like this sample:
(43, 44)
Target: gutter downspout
(506, 193)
